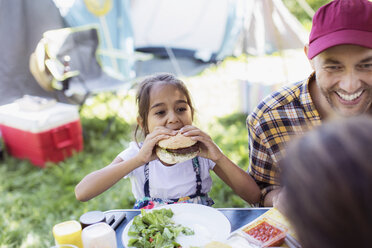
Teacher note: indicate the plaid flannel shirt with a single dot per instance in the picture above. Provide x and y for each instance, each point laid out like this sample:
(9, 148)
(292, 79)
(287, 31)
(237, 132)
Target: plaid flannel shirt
(288, 112)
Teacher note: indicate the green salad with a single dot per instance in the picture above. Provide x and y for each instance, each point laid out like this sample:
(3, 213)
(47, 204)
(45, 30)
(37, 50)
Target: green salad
(156, 229)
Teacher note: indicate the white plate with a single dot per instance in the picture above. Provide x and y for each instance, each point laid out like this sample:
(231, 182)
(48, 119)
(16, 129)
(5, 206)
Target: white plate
(208, 223)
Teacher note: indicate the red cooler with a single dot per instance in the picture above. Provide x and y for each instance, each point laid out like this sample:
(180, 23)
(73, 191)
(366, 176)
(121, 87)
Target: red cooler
(43, 133)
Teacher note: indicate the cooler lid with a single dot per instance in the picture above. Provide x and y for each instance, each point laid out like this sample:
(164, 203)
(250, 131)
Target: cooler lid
(35, 121)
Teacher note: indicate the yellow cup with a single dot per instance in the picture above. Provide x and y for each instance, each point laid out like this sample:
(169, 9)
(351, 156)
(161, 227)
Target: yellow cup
(68, 232)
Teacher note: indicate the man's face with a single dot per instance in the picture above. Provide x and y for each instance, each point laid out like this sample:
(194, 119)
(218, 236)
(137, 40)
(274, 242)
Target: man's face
(344, 77)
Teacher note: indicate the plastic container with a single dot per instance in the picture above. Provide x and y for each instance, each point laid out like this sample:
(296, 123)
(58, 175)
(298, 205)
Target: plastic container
(50, 132)
(68, 232)
(238, 241)
(264, 232)
(91, 218)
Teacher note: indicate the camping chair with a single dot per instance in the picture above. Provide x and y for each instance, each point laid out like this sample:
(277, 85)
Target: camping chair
(66, 62)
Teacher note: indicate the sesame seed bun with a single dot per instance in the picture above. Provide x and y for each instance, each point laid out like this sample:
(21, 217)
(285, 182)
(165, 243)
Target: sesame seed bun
(177, 141)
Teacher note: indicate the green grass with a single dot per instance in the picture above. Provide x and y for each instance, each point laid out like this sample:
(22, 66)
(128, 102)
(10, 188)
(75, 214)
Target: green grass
(32, 200)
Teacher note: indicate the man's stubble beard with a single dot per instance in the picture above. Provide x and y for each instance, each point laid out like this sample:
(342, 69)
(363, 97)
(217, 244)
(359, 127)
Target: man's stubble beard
(366, 107)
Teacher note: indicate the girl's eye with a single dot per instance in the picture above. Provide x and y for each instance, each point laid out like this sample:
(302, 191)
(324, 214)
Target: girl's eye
(161, 112)
(181, 109)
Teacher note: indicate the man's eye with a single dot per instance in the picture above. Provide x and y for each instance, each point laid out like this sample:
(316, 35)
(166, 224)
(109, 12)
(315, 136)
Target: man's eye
(332, 68)
(365, 66)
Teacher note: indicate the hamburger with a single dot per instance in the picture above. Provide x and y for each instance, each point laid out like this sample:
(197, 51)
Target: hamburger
(177, 149)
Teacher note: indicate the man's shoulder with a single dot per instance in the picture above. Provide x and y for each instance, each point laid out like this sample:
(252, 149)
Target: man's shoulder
(286, 98)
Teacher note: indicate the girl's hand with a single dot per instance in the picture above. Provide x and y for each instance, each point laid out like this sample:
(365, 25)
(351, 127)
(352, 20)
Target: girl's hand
(147, 151)
(208, 148)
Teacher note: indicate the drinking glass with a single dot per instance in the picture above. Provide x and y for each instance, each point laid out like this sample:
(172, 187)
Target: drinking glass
(99, 235)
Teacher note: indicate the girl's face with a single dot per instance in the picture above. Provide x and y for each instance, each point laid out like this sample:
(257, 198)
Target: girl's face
(168, 107)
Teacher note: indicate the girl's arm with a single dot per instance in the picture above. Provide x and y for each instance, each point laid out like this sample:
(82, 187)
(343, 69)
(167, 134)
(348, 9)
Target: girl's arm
(99, 181)
(239, 180)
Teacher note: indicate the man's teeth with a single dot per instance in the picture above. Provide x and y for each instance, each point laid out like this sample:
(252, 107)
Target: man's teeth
(350, 97)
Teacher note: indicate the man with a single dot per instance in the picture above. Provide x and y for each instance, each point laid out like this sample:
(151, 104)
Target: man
(340, 53)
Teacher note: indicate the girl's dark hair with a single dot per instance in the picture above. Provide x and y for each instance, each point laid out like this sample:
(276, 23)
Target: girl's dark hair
(327, 181)
(143, 96)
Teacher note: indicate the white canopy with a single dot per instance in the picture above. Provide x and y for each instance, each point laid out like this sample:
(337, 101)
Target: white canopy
(269, 27)
(216, 27)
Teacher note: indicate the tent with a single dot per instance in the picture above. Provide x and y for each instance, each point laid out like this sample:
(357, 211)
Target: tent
(190, 32)
(268, 26)
(210, 29)
(190, 27)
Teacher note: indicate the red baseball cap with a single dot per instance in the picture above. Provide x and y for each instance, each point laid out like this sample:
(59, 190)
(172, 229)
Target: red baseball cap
(341, 22)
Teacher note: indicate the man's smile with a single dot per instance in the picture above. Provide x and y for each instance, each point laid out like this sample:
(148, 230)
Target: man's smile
(350, 99)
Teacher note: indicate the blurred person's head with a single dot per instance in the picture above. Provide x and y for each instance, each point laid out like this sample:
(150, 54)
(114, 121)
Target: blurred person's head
(340, 52)
(327, 184)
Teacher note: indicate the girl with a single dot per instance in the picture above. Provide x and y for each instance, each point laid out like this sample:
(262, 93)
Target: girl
(165, 109)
